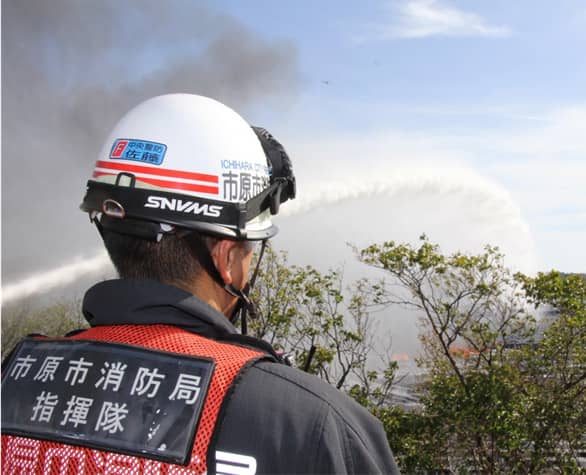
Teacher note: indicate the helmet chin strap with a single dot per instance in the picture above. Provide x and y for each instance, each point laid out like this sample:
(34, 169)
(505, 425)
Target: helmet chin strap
(245, 306)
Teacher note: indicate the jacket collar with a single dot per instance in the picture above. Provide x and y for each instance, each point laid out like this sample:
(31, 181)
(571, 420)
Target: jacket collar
(148, 302)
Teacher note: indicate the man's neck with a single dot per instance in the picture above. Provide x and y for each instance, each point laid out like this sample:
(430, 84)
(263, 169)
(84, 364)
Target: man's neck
(207, 290)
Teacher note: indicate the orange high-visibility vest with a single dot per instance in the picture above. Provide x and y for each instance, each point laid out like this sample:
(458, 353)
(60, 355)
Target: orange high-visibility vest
(23, 455)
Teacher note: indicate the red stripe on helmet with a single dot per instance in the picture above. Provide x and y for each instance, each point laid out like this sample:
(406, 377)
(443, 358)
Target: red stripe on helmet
(126, 167)
(176, 185)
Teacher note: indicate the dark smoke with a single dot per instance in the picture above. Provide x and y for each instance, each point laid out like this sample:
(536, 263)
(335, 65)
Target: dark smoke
(71, 68)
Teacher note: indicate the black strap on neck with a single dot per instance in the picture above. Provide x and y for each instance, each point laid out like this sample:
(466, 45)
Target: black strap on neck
(245, 306)
(257, 268)
(248, 307)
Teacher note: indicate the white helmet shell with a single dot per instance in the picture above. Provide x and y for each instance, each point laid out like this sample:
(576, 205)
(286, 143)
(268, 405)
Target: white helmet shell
(195, 148)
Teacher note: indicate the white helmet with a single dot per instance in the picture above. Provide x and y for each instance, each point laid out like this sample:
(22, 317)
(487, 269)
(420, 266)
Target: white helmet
(191, 162)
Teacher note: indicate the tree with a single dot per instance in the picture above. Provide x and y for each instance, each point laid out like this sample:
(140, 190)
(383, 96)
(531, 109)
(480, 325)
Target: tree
(500, 395)
(300, 308)
(554, 371)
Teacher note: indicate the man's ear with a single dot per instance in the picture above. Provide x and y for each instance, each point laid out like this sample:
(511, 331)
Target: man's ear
(223, 255)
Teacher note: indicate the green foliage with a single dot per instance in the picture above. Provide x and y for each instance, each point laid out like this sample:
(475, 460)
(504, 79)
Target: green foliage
(502, 396)
(553, 371)
(300, 308)
(54, 320)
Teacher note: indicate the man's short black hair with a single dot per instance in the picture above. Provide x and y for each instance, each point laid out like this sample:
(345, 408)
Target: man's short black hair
(169, 260)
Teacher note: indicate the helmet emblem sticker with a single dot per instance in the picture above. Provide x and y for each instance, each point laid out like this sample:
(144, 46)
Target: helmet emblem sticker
(139, 151)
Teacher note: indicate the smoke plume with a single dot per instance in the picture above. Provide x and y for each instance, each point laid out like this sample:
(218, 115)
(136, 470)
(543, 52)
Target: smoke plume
(71, 69)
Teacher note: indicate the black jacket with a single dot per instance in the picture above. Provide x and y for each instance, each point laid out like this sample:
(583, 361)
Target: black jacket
(287, 420)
